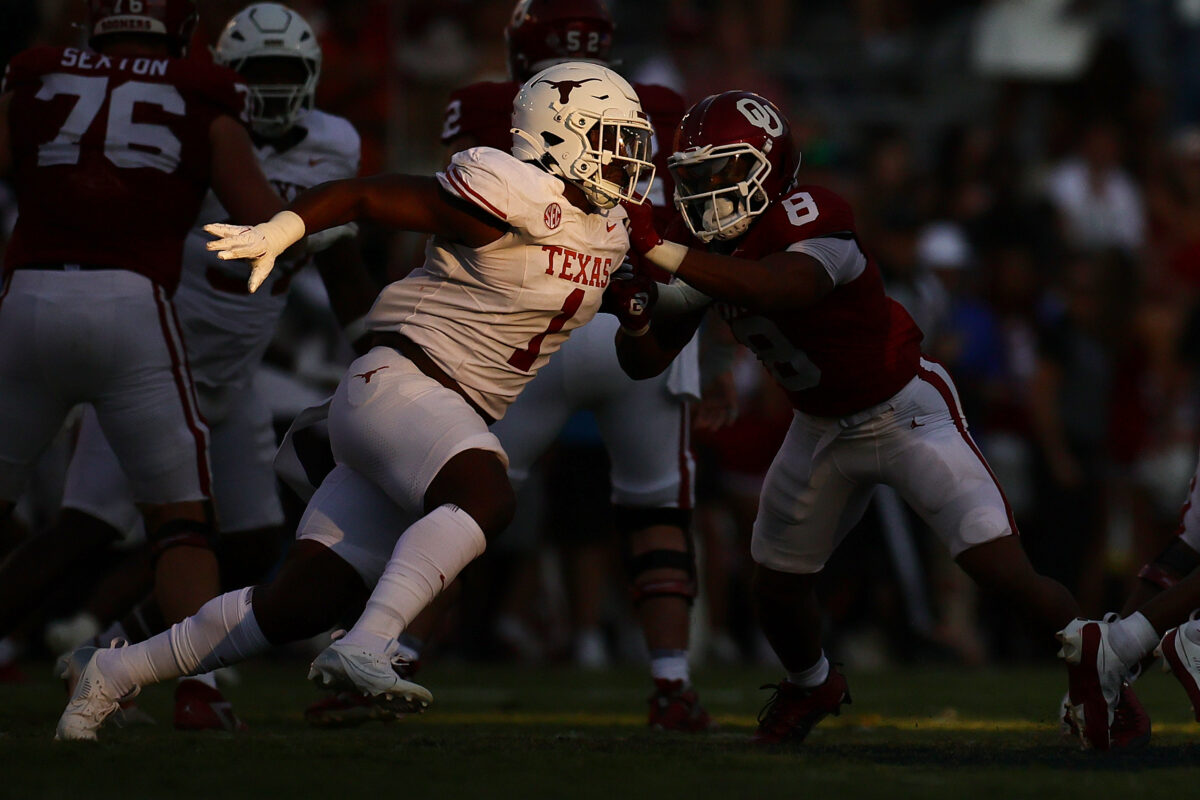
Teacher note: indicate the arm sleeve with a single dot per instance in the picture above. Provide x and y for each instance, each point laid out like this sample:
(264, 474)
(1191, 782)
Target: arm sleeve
(841, 258)
(678, 297)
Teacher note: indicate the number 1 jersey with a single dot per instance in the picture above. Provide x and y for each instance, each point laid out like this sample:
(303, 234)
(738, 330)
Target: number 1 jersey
(491, 316)
(111, 156)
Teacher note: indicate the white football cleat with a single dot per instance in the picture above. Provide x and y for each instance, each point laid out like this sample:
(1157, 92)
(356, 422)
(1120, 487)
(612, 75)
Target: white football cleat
(1094, 678)
(69, 667)
(1182, 657)
(345, 667)
(92, 701)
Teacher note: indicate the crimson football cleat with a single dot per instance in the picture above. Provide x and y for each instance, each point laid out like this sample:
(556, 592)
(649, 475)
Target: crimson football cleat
(1131, 724)
(674, 707)
(200, 707)
(793, 710)
(1095, 677)
(1130, 727)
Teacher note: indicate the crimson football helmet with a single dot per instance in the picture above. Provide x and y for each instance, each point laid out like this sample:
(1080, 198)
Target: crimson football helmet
(733, 157)
(545, 32)
(175, 19)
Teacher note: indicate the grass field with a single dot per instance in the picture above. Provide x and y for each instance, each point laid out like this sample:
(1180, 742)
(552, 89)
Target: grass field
(559, 733)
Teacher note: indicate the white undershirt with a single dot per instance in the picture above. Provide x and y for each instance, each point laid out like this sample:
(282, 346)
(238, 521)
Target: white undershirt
(841, 258)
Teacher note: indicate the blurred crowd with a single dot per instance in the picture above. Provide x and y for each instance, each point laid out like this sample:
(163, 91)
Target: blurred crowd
(1027, 175)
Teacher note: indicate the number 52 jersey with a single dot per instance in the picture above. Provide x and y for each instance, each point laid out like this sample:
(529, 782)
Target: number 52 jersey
(111, 156)
(491, 316)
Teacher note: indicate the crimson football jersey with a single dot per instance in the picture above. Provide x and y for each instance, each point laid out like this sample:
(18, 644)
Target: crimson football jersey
(111, 156)
(854, 348)
(483, 111)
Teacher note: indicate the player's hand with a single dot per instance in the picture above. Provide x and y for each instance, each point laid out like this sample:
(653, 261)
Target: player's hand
(643, 235)
(259, 244)
(646, 241)
(630, 298)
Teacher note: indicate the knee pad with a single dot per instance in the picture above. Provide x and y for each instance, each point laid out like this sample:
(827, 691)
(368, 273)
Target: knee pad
(180, 533)
(628, 521)
(1175, 562)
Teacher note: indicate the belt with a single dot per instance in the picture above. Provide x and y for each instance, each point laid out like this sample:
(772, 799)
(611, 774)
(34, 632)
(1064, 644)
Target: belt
(59, 266)
(421, 360)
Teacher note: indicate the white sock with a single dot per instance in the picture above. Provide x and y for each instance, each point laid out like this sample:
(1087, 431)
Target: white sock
(1191, 630)
(1132, 638)
(427, 557)
(813, 676)
(670, 665)
(222, 632)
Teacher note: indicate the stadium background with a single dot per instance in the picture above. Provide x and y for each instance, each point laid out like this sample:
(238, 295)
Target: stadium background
(1027, 173)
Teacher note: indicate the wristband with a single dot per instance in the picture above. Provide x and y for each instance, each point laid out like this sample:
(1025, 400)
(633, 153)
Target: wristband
(283, 230)
(642, 331)
(667, 255)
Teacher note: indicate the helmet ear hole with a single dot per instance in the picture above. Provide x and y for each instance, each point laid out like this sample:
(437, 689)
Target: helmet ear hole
(551, 139)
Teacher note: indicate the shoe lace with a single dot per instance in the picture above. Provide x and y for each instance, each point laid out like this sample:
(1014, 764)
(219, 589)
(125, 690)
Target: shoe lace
(401, 659)
(771, 713)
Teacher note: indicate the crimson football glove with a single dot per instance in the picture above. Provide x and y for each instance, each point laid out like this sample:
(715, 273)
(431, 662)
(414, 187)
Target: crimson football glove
(643, 235)
(646, 241)
(630, 298)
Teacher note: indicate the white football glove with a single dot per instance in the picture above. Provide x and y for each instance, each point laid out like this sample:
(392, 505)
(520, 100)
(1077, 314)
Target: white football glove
(259, 244)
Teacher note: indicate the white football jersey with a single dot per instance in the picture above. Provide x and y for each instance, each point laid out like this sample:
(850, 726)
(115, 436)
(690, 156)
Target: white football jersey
(491, 316)
(227, 328)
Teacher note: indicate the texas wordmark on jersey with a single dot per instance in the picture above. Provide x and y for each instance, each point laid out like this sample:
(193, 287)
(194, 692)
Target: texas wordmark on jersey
(491, 316)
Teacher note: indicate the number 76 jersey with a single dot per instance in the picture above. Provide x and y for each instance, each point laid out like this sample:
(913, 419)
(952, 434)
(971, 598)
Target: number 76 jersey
(111, 156)
(852, 349)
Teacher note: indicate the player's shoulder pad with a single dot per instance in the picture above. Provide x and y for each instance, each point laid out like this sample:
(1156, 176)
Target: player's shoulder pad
(33, 63)
(806, 211)
(213, 84)
(659, 99)
(511, 190)
(475, 105)
(333, 137)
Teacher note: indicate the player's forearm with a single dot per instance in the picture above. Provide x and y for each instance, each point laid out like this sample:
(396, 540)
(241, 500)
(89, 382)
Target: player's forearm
(646, 356)
(772, 283)
(397, 201)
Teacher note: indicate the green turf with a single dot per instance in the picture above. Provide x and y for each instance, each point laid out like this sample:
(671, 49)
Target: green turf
(530, 733)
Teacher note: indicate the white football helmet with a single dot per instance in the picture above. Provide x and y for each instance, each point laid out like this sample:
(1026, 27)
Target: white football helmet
(584, 123)
(272, 31)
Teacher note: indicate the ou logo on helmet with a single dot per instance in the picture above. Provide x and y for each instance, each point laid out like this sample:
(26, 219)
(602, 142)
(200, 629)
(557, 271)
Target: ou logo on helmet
(760, 116)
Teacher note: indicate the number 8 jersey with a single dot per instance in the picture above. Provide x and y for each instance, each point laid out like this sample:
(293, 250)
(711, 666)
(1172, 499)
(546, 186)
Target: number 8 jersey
(852, 349)
(491, 316)
(130, 137)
